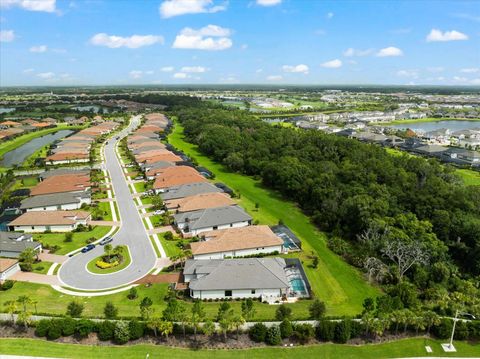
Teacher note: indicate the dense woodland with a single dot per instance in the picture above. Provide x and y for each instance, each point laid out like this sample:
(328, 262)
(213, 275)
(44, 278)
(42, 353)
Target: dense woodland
(409, 223)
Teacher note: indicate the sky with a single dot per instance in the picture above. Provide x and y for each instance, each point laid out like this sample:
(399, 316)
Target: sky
(120, 42)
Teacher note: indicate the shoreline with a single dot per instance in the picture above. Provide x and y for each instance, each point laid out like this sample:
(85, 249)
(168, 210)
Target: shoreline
(421, 120)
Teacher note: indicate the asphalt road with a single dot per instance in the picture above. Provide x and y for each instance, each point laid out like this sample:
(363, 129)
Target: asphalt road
(73, 272)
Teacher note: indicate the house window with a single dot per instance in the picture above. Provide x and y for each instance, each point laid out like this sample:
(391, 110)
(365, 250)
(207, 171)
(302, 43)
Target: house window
(228, 293)
(215, 228)
(231, 224)
(253, 291)
(33, 227)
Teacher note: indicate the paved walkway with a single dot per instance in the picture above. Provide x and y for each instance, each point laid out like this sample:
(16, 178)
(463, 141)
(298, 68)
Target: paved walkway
(105, 223)
(161, 230)
(36, 278)
(50, 257)
(145, 206)
(105, 200)
(160, 278)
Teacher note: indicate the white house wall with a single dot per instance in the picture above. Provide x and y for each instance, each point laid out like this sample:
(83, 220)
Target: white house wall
(239, 253)
(41, 229)
(9, 272)
(236, 293)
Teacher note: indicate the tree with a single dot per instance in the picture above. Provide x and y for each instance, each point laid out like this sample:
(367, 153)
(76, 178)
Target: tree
(107, 249)
(68, 237)
(431, 319)
(168, 236)
(222, 310)
(225, 319)
(208, 328)
(110, 310)
(404, 255)
(258, 332)
(368, 319)
(304, 332)
(154, 323)
(237, 322)
(342, 331)
(198, 314)
(283, 312)
(24, 315)
(317, 309)
(146, 308)
(11, 307)
(117, 250)
(248, 309)
(165, 328)
(286, 328)
(132, 293)
(315, 262)
(34, 302)
(75, 309)
(27, 258)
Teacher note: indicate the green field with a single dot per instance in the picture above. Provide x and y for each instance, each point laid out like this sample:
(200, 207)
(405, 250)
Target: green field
(402, 348)
(140, 187)
(341, 286)
(79, 239)
(91, 266)
(170, 247)
(41, 267)
(471, 178)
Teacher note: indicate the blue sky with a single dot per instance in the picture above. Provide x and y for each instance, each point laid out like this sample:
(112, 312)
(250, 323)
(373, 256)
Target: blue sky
(114, 42)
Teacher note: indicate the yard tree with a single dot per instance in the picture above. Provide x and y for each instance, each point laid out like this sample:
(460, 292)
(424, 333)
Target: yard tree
(431, 318)
(317, 309)
(132, 293)
(74, 309)
(283, 312)
(108, 250)
(110, 311)
(11, 308)
(248, 309)
(223, 310)
(146, 308)
(24, 315)
(237, 322)
(154, 323)
(198, 314)
(208, 328)
(27, 258)
(165, 328)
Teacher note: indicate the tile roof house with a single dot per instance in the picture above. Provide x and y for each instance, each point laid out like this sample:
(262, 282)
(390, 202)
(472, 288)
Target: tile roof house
(167, 157)
(12, 244)
(237, 278)
(56, 201)
(236, 242)
(210, 219)
(8, 267)
(68, 157)
(62, 183)
(55, 221)
(189, 189)
(199, 201)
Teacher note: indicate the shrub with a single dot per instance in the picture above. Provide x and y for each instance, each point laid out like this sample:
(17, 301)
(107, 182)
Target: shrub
(26, 267)
(286, 328)
(342, 331)
(326, 330)
(106, 330)
(136, 328)
(168, 236)
(68, 326)
(110, 311)
(68, 237)
(258, 332)
(317, 309)
(283, 312)
(444, 329)
(74, 309)
(461, 330)
(132, 293)
(104, 265)
(54, 332)
(84, 327)
(304, 332)
(42, 327)
(273, 336)
(8, 284)
(121, 333)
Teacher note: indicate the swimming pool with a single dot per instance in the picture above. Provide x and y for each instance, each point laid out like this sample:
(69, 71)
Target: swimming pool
(287, 242)
(297, 285)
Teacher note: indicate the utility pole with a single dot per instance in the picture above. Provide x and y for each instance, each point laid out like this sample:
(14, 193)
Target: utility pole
(448, 347)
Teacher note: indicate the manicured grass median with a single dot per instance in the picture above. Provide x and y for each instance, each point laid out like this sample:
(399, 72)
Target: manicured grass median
(41, 267)
(78, 241)
(92, 267)
(341, 286)
(402, 348)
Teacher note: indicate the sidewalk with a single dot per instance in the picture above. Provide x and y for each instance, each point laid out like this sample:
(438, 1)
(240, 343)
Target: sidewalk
(35, 278)
(161, 230)
(50, 257)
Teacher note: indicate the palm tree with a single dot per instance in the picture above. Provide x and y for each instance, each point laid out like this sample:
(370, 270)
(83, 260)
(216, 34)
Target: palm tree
(24, 315)
(154, 323)
(419, 323)
(174, 260)
(24, 300)
(208, 328)
(11, 307)
(408, 320)
(165, 328)
(197, 316)
(430, 318)
(237, 322)
(367, 320)
(34, 302)
(108, 250)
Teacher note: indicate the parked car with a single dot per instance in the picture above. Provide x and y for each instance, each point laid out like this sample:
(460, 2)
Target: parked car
(105, 241)
(139, 178)
(160, 211)
(117, 138)
(88, 248)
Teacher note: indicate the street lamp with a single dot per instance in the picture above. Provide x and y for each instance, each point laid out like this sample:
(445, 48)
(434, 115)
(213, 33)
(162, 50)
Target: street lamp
(449, 347)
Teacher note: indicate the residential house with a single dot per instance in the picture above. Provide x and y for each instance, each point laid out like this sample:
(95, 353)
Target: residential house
(8, 267)
(12, 244)
(54, 221)
(209, 219)
(199, 201)
(187, 190)
(237, 242)
(175, 176)
(56, 201)
(62, 183)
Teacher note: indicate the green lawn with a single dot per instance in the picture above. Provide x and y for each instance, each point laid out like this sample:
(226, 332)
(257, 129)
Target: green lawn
(41, 267)
(26, 182)
(470, 177)
(21, 140)
(170, 247)
(79, 239)
(91, 266)
(156, 220)
(106, 211)
(341, 286)
(428, 119)
(403, 348)
(140, 187)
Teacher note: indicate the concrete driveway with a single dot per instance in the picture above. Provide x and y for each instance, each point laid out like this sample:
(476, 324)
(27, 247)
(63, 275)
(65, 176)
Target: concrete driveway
(73, 272)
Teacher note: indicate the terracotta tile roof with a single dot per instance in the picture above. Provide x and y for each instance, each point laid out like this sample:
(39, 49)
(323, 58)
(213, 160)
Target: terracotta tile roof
(6, 263)
(40, 218)
(174, 176)
(63, 156)
(232, 239)
(10, 123)
(42, 124)
(199, 201)
(61, 183)
(152, 153)
(167, 157)
(49, 119)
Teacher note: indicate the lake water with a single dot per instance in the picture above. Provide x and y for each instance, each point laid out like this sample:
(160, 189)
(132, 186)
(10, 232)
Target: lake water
(20, 154)
(431, 126)
(93, 108)
(6, 109)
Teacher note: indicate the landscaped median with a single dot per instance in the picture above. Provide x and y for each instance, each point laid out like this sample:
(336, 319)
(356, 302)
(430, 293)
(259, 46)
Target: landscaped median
(113, 260)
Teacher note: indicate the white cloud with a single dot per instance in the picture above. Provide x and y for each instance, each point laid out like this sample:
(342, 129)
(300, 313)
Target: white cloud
(7, 35)
(28, 71)
(167, 69)
(435, 69)
(135, 74)
(40, 48)
(259, 71)
(297, 68)
(471, 70)
(180, 75)
(475, 81)
(333, 64)
(244, 47)
(437, 35)
(149, 72)
(390, 51)
(356, 52)
(211, 37)
(268, 2)
(274, 78)
(132, 42)
(193, 69)
(408, 73)
(171, 8)
(30, 5)
(330, 15)
(460, 79)
(46, 75)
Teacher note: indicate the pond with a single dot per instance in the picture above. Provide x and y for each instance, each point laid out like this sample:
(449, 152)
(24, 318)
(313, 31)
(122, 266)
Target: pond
(452, 125)
(6, 109)
(20, 154)
(91, 108)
